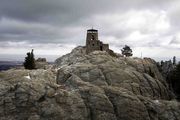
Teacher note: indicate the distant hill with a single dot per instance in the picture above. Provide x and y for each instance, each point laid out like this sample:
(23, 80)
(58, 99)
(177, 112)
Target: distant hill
(5, 65)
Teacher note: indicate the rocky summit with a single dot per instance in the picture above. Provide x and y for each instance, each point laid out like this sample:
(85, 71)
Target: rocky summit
(94, 86)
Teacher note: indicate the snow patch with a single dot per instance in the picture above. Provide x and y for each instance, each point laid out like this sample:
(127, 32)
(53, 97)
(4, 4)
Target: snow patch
(27, 77)
(156, 101)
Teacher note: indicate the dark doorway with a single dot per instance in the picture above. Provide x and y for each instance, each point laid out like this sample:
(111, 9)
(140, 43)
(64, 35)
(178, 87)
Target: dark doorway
(101, 48)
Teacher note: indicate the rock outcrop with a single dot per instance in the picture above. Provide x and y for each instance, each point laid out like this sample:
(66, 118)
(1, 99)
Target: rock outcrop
(41, 63)
(96, 86)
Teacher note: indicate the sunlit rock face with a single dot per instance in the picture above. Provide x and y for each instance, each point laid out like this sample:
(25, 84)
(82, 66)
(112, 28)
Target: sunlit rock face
(94, 86)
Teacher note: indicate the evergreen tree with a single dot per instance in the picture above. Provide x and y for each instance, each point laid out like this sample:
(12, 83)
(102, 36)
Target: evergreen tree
(127, 51)
(175, 79)
(29, 62)
(174, 60)
(162, 63)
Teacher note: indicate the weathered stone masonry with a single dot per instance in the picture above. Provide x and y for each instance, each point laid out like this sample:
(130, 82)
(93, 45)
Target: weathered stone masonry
(92, 42)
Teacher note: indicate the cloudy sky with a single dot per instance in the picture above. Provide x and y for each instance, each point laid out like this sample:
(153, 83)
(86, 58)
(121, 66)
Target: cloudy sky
(54, 27)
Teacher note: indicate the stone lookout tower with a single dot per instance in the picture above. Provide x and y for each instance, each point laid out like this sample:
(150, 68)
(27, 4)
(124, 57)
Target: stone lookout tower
(92, 42)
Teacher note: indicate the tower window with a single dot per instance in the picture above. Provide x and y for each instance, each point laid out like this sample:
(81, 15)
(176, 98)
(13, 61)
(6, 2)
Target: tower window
(93, 37)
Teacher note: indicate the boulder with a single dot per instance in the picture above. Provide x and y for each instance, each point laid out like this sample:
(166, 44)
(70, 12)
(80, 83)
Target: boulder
(41, 63)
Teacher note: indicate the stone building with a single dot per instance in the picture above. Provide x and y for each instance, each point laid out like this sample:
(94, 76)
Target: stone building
(92, 42)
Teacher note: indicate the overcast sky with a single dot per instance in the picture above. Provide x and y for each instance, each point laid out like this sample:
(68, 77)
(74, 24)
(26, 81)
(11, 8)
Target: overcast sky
(54, 27)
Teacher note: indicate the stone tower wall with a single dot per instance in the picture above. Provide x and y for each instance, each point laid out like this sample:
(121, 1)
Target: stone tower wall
(106, 47)
(93, 44)
(91, 36)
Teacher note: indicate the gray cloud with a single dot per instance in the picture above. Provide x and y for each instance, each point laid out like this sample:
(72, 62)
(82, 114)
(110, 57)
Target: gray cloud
(139, 23)
(68, 11)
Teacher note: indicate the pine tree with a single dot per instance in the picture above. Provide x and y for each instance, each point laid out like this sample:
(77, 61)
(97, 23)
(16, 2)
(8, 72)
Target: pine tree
(29, 62)
(127, 51)
(174, 60)
(175, 79)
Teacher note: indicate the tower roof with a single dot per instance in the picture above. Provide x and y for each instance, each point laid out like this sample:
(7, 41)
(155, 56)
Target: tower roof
(92, 30)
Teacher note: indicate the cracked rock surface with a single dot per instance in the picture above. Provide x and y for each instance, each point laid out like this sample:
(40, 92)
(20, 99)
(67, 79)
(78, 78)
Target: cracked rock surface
(88, 87)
